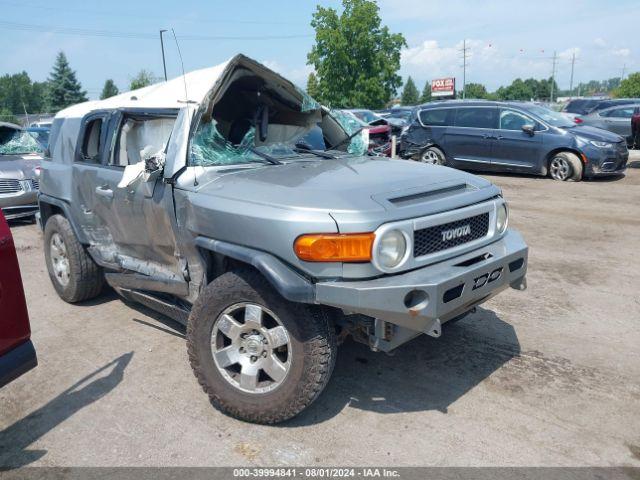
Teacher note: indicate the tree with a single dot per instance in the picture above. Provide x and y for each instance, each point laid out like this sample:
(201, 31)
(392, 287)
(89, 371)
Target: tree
(312, 86)
(410, 94)
(426, 92)
(109, 89)
(629, 87)
(475, 90)
(355, 58)
(18, 93)
(144, 78)
(64, 89)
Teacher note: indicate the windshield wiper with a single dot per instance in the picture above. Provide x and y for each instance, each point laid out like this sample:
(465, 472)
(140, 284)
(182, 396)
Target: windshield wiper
(317, 153)
(265, 156)
(348, 139)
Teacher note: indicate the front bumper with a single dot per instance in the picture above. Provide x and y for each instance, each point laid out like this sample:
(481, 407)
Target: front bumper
(606, 161)
(20, 204)
(437, 292)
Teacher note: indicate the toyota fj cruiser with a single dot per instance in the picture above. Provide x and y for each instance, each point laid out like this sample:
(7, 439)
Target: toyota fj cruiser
(232, 202)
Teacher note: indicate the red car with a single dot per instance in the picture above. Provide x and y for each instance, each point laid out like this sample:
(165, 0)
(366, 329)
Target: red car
(17, 354)
(635, 128)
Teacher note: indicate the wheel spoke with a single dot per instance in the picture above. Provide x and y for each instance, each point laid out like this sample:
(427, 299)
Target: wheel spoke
(253, 316)
(278, 336)
(274, 368)
(230, 327)
(227, 356)
(249, 377)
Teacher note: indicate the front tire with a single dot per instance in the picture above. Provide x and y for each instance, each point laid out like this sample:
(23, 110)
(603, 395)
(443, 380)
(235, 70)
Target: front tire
(433, 156)
(74, 274)
(259, 357)
(565, 167)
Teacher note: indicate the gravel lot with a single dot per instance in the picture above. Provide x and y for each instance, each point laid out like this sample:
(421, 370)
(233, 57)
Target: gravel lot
(550, 376)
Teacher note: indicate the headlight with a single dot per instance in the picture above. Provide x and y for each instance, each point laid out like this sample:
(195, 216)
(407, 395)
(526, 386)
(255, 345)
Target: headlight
(601, 144)
(502, 218)
(391, 249)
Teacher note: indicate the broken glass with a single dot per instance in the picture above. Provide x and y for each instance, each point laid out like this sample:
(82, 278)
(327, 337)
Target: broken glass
(20, 142)
(359, 144)
(308, 103)
(210, 148)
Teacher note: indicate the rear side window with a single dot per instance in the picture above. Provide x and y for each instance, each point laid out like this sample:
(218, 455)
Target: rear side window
(435, 117)
(476, 117)
(620, 112)
(91, 142)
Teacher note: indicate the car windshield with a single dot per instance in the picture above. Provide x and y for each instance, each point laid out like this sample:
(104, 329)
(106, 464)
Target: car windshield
(580, 106)
(551, 117)
(18, 142)
(366, 116)
(402, 114)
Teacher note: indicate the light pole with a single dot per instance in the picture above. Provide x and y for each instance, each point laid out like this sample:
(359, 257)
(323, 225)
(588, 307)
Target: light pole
(164, 64)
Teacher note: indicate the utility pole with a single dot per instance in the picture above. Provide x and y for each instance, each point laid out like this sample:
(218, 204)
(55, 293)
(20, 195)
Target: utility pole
(164, 64)
(624, 68)
(573, 61)
(464, 68)
(553, 74)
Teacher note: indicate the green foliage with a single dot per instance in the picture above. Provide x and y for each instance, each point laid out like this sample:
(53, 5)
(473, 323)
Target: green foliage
(426, 92)
(356, 59)
(7, 116)
(109, 89)
(529, 89)
(143, 78)
(410, 94)
(18, 93)
(64, 89)
(629, 87)
(312, 86)
(474, 90)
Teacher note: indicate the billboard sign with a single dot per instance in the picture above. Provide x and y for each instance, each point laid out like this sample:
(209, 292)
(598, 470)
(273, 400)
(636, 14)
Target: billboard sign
(443, 87)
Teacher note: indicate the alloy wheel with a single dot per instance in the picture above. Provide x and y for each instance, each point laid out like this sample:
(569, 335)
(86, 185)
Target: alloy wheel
(430, 156)
(251, 348)
(560, 168)
(60, 259)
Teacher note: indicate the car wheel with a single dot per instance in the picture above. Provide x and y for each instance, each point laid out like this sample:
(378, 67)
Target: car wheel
(565, 166)
(432, 155)
(259, 357)
(74, 274)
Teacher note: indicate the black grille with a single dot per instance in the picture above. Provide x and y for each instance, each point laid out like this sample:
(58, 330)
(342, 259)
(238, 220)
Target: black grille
(429, 240)
(35, 184)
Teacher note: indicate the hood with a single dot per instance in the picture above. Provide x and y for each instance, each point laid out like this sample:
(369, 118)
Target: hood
(350, 185)
(19, 167)
(593, 133)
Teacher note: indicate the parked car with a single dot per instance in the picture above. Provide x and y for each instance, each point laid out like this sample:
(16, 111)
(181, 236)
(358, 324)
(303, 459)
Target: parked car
(512, 137)
(615, 119)
(606, 103)
(374, 119)
(580, 106)
(635, 128)
(17, 354)
(210, 213)
(20, 155)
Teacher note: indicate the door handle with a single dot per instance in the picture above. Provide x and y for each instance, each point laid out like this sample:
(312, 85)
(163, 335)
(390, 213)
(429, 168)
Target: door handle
(490, 137)
(499, 137)
(104, 191)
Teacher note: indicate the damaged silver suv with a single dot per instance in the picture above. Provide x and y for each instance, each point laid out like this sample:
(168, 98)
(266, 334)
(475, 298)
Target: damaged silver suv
(233, 203)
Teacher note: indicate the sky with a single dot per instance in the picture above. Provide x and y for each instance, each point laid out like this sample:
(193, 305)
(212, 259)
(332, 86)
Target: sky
(506, 39)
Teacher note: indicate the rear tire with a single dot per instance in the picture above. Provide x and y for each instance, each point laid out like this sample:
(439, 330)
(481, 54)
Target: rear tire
(239, 379)
(565, 167)
(74, 274)
(432, 155)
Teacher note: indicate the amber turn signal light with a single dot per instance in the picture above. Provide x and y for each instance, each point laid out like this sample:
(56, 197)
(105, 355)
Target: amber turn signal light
(334, 247)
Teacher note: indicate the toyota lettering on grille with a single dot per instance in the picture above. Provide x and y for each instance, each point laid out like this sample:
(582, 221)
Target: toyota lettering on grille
(454, 233)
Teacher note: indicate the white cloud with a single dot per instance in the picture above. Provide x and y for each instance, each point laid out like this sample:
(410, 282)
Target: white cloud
(568, 53)
(599, 42)
(621, 52)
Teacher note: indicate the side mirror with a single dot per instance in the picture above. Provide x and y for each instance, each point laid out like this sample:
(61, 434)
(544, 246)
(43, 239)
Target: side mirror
(528, 129)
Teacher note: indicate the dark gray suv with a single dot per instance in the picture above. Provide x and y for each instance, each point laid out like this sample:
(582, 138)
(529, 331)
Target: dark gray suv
(511, 137)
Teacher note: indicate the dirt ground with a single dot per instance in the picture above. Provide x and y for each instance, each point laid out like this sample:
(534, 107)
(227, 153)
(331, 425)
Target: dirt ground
(550, 376)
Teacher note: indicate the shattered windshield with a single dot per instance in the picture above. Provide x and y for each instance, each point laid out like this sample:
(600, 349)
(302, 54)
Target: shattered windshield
(18, 142)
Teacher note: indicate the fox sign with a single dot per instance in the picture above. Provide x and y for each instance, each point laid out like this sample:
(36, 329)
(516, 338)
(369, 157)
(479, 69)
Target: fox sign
(443, 87)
